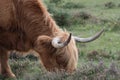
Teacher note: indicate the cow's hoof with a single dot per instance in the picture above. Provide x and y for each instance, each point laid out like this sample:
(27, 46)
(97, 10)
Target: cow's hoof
(9, 75)
(12, 75)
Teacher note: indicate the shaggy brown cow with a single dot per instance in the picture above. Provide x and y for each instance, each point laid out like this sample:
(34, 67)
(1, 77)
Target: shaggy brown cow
(27, 25)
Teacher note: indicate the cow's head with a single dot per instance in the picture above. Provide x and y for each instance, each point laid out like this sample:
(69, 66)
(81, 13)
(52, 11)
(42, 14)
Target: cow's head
(60, 52)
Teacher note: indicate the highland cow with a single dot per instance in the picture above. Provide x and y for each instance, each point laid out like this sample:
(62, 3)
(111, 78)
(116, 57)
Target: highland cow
(27, 25)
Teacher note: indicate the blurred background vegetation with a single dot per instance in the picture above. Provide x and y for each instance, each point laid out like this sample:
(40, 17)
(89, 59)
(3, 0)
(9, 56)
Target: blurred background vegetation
(98, 60)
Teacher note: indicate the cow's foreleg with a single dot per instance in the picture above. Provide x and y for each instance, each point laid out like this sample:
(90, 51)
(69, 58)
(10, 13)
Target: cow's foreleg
(0, 66)
(5, 68)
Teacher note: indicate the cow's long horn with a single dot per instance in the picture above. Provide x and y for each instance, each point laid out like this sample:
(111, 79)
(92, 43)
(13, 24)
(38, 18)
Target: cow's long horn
(89, 39)
(56, 42)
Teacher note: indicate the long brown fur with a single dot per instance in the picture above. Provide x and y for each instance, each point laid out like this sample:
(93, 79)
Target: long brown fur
(27, 25)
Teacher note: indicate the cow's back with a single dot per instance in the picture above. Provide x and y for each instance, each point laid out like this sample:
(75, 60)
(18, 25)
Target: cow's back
(5, 13)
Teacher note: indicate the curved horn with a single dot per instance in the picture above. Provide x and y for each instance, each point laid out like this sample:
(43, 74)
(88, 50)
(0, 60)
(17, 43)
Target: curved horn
(89, 39)
(56, 42)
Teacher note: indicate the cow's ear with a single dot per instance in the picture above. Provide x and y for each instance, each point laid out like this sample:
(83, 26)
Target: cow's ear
(43, 42)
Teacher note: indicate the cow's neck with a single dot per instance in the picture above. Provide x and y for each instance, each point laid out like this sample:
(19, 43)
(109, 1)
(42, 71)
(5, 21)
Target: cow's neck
(34, 19)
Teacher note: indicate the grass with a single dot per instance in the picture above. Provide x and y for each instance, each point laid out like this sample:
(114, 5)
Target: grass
(98, 60)
(91, 70)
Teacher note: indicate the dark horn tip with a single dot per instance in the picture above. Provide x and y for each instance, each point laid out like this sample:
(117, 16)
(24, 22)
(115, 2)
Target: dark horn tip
(68, 40)
(70, 34)
(69, 37)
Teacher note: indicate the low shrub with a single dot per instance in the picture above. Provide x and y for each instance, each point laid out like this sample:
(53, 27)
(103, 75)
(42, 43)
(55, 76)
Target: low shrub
(20, 56)
(96, 55)
(80, 17)
(73, 5)
(19, 67)
(61, 17)
(89, 71)
(110, 5)
(85, 15)
(56, 1)
(65, 18)
(119, 5)
(25, 70)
